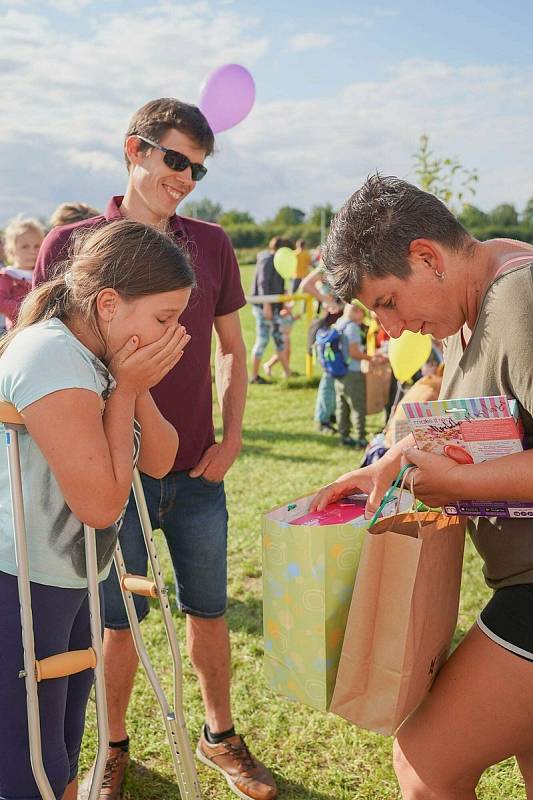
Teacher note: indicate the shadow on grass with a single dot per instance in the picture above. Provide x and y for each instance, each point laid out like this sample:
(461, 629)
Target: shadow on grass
(142, 783)
(268, 435)
(255, 450)
(245, 616)
(298, 383)
(297, 791)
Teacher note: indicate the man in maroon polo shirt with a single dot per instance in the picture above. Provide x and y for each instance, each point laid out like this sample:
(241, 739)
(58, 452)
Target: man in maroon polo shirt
(165, 148)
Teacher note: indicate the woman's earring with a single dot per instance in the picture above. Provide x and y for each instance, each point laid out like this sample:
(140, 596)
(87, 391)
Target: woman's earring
(440, 275)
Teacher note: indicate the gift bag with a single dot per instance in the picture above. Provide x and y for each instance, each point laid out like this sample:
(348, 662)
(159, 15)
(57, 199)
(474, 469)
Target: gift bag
(308, 577)
(378, 379)
(402, 618)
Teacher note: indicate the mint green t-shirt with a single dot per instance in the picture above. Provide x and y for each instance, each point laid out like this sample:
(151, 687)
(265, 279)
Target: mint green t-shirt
(42, 359)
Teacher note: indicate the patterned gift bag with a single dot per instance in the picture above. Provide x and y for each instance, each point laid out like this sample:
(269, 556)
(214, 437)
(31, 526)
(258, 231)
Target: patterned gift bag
(308, 578)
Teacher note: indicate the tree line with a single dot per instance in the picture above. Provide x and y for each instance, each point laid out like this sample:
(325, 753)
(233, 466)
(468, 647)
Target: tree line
(292, 223)
(244, 231)
(445, 177)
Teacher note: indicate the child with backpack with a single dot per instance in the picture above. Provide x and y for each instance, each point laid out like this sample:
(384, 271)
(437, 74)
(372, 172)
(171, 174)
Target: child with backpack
(340, 351)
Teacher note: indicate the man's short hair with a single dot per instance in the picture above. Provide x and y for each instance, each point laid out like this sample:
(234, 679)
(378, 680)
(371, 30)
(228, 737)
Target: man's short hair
(371, 234)
(276, 242)
(157, 117)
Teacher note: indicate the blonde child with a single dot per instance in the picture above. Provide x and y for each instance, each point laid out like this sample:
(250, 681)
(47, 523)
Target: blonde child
(286, 320)
(23, 239)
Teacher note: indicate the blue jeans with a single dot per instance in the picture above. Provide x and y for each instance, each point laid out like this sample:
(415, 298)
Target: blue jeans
(325, 399)
(192, 514)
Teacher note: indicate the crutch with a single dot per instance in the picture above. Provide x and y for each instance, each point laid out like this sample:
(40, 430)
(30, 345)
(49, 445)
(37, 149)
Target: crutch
(174, 719)
(61, 664)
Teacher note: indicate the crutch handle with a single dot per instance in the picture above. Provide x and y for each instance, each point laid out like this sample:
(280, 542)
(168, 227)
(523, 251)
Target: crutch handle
(137, 584)
(8, 413)
(63, 664)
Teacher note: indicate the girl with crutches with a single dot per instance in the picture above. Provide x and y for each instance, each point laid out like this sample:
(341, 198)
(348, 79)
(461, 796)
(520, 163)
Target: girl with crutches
(78, 367)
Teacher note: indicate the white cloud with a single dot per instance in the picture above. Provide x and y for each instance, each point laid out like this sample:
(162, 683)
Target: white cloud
(67, 99)
(78, 91)
(69, 6)
(309, 41)
(95, 160)
(308, 152)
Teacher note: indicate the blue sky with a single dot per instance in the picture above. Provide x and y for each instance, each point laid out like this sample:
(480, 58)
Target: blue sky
(343, 88)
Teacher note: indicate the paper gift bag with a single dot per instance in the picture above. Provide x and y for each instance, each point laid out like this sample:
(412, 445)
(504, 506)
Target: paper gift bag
(308, 577)
(378, 379)
(402, 618)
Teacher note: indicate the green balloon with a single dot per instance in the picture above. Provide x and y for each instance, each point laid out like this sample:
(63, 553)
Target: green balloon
(285, 262)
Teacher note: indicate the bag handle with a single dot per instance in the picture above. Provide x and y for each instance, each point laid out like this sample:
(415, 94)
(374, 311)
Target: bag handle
(399, 481)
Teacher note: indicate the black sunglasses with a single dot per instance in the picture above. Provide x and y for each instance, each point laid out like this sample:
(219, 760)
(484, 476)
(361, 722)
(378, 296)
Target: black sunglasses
(177, 161)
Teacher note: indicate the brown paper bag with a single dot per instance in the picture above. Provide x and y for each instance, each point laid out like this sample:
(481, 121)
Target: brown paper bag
(402, 618)
(378, 379)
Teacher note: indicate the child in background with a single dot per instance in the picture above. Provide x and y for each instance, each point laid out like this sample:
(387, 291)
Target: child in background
(303, 264)
(286, 320)
(316, 285)
(67, 213)
(23, 239)
(350, 389)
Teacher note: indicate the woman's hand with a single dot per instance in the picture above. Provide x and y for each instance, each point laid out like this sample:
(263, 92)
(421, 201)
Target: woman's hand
(436, 479)
(139, 368)
(373, 480)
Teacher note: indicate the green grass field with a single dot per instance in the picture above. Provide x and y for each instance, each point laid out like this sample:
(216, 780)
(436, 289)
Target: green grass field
(314, 756)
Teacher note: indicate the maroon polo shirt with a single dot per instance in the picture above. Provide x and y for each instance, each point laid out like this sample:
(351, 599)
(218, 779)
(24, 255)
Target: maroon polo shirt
(184, 396)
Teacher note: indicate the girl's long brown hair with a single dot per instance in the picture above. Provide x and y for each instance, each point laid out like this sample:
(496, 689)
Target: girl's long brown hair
(134, 259)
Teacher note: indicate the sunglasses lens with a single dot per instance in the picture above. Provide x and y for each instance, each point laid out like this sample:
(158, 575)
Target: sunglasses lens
(198, 172)
(176, 161)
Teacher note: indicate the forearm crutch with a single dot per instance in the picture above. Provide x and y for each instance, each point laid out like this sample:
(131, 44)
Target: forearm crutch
(61, 664)
(174, 719)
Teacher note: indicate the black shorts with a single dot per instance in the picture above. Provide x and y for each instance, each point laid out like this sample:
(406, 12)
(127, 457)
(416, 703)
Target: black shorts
(507, 619)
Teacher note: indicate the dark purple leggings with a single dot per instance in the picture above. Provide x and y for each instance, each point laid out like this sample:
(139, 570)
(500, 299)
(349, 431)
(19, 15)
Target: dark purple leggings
(60, 622)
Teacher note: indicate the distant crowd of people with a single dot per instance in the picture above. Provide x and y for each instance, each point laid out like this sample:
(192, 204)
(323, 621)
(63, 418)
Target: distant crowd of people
(343, 337)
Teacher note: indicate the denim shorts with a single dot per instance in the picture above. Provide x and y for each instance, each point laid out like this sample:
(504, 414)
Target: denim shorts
(264, 329)
(193, 516)
(61, 622)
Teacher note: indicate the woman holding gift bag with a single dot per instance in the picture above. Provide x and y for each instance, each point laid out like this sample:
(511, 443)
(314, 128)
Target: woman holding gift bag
(403, 254)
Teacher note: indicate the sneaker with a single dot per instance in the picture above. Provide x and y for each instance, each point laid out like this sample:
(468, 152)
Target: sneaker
(245, 775)
(326, 427)
(115, 770)
(259, 379)
(347, 441)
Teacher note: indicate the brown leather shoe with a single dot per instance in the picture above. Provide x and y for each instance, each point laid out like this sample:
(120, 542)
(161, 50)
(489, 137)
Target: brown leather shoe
(246, 776)
(115, 770)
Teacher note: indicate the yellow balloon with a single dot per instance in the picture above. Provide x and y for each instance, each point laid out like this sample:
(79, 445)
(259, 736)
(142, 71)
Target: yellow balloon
(285, 262)
(408, 353)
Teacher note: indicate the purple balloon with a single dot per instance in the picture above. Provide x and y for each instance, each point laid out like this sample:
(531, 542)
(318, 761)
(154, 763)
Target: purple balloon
(227, 96)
